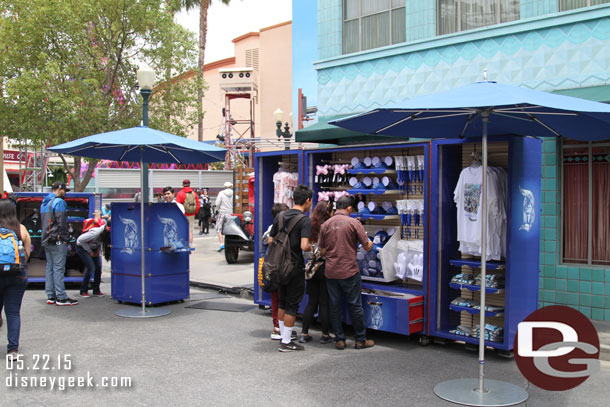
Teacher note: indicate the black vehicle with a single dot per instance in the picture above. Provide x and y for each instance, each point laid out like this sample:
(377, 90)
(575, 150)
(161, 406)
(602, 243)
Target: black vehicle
(239, 232)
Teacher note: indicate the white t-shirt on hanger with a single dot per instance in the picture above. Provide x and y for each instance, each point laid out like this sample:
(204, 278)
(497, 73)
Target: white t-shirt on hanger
(467, 196)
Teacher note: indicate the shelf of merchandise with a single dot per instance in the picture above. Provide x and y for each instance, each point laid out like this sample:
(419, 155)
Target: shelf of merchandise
(475, 264)
(371, 171)
(366, 191)
(475, 288)
(475, 311)
(367, 216)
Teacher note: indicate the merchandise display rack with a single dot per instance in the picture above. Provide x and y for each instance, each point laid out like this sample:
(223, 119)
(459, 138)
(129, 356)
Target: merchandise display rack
(401, 305)
(519, 295)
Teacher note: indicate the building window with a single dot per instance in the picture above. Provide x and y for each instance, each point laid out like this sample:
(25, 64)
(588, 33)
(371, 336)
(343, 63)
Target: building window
(565, 5)
(462, 15)
(586, 202)
(371, 24)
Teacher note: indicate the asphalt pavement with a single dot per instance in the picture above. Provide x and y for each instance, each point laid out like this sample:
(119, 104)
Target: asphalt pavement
(195, 357)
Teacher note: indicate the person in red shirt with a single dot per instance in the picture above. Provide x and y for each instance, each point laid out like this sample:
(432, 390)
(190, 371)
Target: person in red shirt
(189, 199)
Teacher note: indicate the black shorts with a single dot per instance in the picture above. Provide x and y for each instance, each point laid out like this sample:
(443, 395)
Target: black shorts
(291, 293)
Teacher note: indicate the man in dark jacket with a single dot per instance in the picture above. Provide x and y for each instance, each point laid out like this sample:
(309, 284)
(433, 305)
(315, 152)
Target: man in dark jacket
(54, 237)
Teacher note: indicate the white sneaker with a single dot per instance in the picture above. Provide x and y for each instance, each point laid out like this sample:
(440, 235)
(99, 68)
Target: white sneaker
(275, 334)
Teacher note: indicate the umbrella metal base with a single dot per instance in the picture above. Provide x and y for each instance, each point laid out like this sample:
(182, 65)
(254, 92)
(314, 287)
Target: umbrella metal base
(138, 313)
(465, 391)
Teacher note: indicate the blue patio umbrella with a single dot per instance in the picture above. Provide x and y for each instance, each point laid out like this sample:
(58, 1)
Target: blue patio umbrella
(460, 112)
(144, 145)
(485, 109)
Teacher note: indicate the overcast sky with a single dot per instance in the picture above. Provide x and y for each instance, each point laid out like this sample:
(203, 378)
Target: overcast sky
(228, 22)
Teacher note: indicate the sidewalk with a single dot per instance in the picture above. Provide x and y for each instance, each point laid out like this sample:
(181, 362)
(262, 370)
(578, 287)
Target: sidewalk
(209, 267)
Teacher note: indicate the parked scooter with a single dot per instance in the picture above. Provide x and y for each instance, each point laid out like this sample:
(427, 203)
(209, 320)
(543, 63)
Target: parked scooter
(239, 235)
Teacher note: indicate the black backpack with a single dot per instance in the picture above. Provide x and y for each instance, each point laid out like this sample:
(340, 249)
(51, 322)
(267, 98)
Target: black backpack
(278, 262)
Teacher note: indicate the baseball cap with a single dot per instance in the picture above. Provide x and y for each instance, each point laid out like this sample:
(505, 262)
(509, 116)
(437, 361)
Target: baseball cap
(228, 184)
(186, 182)
(59, 185)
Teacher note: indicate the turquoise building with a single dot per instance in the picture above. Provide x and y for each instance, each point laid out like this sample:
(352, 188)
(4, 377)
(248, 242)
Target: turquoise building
(375, 52)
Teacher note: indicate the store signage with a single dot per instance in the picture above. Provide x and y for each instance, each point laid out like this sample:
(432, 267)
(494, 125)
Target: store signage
(13, 155)
(557, 348)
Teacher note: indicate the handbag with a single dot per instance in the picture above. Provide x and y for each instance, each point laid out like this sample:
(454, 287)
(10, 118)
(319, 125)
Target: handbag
(314, 263)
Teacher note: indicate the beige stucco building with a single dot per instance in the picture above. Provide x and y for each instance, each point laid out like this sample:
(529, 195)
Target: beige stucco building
(269, 52)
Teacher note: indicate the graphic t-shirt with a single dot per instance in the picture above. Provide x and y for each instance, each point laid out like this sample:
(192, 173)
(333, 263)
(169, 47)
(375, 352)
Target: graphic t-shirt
(468, 197)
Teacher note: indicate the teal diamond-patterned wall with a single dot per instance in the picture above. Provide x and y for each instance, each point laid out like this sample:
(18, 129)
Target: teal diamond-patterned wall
(562, 57)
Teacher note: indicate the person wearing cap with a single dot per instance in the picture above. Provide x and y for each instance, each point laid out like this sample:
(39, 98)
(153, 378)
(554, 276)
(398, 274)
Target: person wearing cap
(224, 206)
(88, 247)
(54, 239)
(189, 199)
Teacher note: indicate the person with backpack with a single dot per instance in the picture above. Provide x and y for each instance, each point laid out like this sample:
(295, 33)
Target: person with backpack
(15, 246)
(88, 247)
(288, 238)
(276, 209)
(188, 198)
(54, 239)
(205, 212)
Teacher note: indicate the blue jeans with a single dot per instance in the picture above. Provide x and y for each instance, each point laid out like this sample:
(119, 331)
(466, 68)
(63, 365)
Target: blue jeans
(351, 289)
(92, 265)
(56, 269)
(12, 289)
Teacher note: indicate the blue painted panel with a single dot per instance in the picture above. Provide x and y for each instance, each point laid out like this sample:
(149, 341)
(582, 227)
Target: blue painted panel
(523, 232)
(165, 224)
(159, 289)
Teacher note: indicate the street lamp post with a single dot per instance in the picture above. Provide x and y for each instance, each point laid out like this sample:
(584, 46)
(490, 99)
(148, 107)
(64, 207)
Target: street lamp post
(279, 116)
(146, 81)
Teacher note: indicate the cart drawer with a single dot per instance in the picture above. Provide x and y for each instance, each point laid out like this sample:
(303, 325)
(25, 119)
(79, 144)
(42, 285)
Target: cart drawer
(394, 314)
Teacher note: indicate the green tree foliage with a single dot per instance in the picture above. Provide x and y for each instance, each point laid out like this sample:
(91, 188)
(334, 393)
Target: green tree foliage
(69, 70)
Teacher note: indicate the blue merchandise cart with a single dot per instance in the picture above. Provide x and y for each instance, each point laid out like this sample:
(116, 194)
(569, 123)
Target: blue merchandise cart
(80, 206)
(167, 253)
(517, 297)
(423, 306)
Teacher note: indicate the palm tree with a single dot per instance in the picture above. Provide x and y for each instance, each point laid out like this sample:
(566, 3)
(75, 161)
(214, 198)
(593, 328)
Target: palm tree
(203, 31)
(204, 5)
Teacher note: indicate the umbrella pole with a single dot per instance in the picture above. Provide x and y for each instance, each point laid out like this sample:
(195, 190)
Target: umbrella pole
(463, 391)
(142, 256)
(483, 214)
